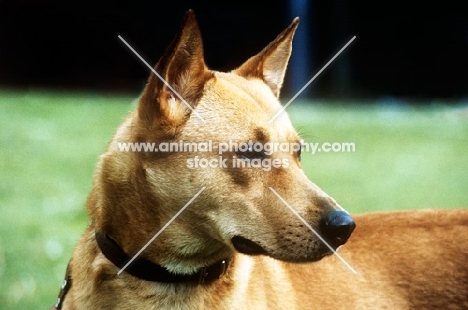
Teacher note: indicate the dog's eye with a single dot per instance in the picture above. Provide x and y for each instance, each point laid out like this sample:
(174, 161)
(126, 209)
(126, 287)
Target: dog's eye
(250, 154)
(299, 154)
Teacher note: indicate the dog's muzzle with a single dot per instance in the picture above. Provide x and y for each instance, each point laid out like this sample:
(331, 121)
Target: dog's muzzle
(335, 228)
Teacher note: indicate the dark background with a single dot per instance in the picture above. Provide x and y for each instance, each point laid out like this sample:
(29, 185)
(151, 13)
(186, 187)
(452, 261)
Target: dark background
(403, 49)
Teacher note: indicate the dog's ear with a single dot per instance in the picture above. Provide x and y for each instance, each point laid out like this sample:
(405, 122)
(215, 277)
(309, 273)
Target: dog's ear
(183, 68)
(270, 64)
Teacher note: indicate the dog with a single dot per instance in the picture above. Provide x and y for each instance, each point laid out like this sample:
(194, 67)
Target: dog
(164, 234)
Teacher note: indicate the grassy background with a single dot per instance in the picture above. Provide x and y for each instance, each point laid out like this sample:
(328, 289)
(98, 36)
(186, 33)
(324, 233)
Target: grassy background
(405, 158)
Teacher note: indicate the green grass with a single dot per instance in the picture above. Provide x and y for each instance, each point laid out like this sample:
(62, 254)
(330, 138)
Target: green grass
(405, 158)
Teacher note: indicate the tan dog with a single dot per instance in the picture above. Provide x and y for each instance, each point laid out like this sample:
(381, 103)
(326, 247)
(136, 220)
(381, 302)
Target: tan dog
(237, 245)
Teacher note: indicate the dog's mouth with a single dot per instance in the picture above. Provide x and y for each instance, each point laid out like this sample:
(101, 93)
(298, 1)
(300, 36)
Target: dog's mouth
(247, 246)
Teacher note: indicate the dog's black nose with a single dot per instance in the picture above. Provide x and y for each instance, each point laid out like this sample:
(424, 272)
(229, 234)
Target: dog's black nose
(337, 226)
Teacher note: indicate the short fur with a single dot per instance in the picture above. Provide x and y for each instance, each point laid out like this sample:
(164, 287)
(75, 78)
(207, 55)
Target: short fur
(405, 260)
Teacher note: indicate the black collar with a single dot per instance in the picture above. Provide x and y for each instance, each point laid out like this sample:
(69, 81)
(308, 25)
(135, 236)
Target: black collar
(149, 271)
(66, 284)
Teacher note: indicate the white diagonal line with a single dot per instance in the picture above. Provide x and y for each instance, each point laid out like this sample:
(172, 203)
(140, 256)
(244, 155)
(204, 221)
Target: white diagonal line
(163, 80)
(311, 80)
(313, 230)
(160, 231)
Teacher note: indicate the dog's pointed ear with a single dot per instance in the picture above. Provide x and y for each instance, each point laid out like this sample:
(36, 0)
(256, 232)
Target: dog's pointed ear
(183, 68)
(270, 64)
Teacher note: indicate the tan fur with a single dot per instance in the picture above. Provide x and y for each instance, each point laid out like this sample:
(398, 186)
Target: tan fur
(405, 260)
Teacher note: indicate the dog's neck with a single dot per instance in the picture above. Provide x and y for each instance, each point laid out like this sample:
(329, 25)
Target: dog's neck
(149, 271)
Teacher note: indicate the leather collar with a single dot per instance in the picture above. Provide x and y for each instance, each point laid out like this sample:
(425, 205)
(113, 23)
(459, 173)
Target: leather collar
(149, 271)
(66, 284)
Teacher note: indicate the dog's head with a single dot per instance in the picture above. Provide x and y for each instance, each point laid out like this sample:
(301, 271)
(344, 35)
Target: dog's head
(256, 199)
